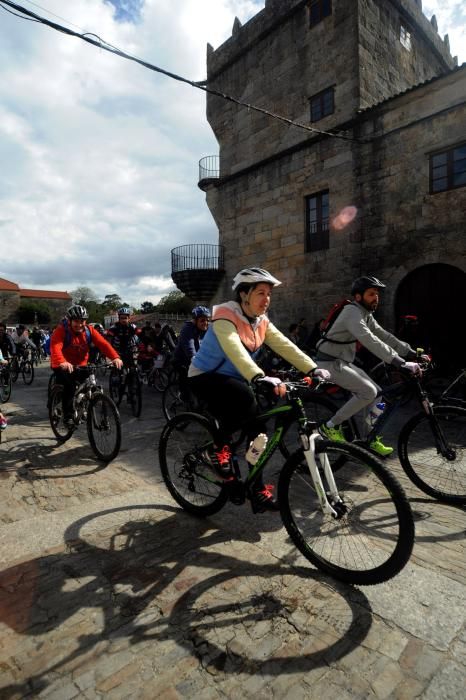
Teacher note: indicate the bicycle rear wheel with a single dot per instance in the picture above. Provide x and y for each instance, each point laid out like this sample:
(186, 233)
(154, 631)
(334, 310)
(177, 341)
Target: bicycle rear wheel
(186, 475)
(103, 427)
(372, 539)
(442, 476)
(160, 379)
(61, 431)
(133, 388)
(27, 370)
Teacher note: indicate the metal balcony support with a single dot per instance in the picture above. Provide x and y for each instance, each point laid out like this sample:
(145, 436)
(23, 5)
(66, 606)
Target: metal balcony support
(197, 270)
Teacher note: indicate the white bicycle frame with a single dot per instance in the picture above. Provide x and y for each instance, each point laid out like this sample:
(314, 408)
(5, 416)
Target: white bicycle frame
(309, 445)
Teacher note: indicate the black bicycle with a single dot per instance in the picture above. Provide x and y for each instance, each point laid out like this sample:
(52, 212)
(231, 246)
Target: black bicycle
(432, 443)
(355, 524)
(91, 405)
(126, 383)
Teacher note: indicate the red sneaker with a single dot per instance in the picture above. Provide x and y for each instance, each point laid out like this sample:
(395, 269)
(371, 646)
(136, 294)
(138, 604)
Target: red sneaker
(262, 498)
(219, 460)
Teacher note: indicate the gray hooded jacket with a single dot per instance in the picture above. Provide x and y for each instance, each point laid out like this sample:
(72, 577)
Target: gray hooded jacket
(354, 323)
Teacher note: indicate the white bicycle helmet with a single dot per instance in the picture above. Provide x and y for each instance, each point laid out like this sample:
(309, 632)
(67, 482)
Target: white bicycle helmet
(254, 275)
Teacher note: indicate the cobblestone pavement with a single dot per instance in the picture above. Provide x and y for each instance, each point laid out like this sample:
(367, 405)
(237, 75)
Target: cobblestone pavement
(108, 590)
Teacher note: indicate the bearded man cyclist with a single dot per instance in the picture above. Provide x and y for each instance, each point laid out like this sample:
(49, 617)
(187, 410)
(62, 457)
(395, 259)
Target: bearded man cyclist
(69, 346)
(336, 353)
(123, 337)
(223, 369)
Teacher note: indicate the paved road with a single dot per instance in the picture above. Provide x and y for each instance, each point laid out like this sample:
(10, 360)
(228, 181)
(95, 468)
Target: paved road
(108, 590)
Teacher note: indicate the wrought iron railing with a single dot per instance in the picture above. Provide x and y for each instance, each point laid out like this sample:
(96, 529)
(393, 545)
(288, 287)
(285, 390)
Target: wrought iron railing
(198, 256)
(209, 167)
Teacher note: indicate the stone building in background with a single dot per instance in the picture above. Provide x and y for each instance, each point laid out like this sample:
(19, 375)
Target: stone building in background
(376, 76)
(12, 296)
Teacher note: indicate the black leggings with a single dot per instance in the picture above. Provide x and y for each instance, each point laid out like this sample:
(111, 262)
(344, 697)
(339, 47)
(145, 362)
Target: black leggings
(231, 401)
(69, 381)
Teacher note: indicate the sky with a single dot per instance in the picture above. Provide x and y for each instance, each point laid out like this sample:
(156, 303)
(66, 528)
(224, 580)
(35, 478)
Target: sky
(99, 156)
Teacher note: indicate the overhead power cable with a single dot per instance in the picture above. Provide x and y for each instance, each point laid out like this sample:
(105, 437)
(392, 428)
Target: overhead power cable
(24, 13)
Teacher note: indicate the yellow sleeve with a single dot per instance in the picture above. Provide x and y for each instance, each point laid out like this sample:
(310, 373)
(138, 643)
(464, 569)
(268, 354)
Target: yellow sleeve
(234, 349)
(280, 344)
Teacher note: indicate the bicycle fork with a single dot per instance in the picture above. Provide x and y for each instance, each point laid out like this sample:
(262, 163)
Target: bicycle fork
(336, 508)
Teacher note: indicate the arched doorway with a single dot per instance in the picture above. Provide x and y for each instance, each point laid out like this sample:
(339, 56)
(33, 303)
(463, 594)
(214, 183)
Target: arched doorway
(436, 294)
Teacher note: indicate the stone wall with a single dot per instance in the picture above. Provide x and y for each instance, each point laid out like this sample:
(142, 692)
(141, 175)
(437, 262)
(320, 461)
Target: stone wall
(400, 226)
(9, 302)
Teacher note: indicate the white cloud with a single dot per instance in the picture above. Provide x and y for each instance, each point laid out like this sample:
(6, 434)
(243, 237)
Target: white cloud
(100, 156)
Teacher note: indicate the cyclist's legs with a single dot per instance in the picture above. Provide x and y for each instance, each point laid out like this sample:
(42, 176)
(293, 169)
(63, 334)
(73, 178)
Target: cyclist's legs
(231, 401)
(69, 381)
(350, 377)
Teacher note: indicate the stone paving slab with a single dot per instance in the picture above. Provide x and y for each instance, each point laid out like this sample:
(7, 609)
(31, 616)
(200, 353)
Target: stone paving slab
(109, 590)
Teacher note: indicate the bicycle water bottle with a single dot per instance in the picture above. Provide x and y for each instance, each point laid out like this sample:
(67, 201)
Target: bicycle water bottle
(256, 448)
(375, 412)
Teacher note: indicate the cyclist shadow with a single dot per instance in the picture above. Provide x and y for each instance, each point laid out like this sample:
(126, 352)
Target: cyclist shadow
(179, 578)
(27, 458)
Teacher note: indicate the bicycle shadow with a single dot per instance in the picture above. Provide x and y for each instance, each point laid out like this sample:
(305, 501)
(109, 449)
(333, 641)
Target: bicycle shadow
(27, 457)
(175, 578)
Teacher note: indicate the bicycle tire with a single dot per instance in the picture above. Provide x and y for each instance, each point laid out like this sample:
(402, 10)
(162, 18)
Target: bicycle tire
(185, 474)
(27, 370)
(133, 390)
(372, 541)
(61, 431)
(430, 471)
(14, 369)
(103, 427)
(115, 389)
(160, 379)
(5, 385)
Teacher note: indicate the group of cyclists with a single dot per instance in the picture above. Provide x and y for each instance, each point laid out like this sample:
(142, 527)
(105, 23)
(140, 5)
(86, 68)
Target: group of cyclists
(217, 354)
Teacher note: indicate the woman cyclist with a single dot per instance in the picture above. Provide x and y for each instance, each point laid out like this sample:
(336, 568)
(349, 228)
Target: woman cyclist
(222, 371)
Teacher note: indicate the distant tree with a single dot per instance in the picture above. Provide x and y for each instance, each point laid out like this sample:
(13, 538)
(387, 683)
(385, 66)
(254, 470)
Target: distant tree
(147, 307)
(83, 295)
(175, 303)
(34, 311)
(112, 302)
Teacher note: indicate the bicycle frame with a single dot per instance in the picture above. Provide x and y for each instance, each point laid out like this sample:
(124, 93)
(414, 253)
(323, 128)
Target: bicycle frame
(286, 416)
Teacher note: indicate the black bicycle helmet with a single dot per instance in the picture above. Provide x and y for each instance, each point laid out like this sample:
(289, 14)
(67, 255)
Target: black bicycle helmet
(77, 313)
(360, 285)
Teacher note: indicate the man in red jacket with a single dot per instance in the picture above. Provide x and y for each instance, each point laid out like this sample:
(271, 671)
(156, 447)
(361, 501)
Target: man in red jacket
(69, 350)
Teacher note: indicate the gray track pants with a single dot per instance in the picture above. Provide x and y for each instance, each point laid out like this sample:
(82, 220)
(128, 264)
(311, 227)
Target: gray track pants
(350, 377)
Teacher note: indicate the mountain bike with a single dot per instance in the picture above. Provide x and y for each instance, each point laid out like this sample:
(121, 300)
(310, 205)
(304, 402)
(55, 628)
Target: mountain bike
(432, 443)
(355, 525)
(5, 383)
(92, 406)
(126, 382)
(22, 365)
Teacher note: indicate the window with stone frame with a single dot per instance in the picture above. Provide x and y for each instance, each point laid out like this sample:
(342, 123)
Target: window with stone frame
(448, 169)
(319, 10)
(322, 104)
(317, 221)
(405, 37)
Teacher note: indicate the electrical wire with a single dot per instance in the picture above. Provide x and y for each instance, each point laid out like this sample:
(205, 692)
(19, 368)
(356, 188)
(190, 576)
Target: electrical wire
(24, 13)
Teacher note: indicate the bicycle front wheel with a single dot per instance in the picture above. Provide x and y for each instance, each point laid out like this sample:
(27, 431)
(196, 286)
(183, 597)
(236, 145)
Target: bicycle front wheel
(103, 427)
(371, 539)
(133, 388)
(14, 369)
(55, 405)
(160, 379)
(186, 474)
(5, 385)
(114, 386)
(432, 452)
(27, 370)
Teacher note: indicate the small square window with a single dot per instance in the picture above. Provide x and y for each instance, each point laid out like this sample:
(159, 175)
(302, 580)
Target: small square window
(322, 104)
(405, 37)
(317, 221)
(319, 10)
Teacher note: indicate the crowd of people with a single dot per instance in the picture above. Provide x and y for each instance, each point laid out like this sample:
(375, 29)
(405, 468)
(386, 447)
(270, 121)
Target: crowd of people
(217, 359)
